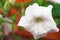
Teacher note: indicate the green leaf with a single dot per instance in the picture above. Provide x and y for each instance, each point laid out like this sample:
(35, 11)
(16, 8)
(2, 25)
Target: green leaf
(56, 9)
(56, 12)
(2, 2)
(56, 6)
(57, 20)
(40, 2)
(14, 17)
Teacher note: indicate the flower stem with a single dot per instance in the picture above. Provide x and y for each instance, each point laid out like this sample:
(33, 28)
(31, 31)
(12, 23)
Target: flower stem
(22, 9)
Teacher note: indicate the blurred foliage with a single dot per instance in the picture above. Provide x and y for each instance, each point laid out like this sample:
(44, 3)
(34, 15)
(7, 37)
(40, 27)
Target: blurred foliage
(20, 29)
(32, 39)
(56, 10)
(1, 20)
(17, 5)
(13, 27)
(14, 18)
(40, 39)
(2, 2)
(7, 5)
(57, 20)
(40, 2)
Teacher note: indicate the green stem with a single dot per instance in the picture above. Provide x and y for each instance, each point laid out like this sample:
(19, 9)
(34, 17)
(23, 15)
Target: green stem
(22, 9)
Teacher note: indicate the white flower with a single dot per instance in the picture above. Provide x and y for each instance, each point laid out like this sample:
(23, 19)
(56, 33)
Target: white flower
(38, 20)
(54, 1)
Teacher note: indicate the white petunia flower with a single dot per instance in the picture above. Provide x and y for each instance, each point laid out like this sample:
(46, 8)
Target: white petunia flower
(38, 20)
(54, 1)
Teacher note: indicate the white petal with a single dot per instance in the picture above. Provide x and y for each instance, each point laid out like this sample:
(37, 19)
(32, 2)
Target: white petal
(33, 10)
(37, 31)
(46, 14)
(36, 10)
(50, 7)
(50, 26)
(28, 12)
(25, 21)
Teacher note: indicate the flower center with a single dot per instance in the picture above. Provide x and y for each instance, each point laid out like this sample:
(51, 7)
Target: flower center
(37, 20)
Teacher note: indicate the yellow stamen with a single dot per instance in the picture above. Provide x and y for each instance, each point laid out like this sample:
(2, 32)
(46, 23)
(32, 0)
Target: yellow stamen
(38, 20)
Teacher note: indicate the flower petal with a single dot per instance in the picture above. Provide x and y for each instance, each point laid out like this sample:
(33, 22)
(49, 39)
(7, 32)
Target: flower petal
(50, 26)
(37, 31)
(33, 10)
(24, 21)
